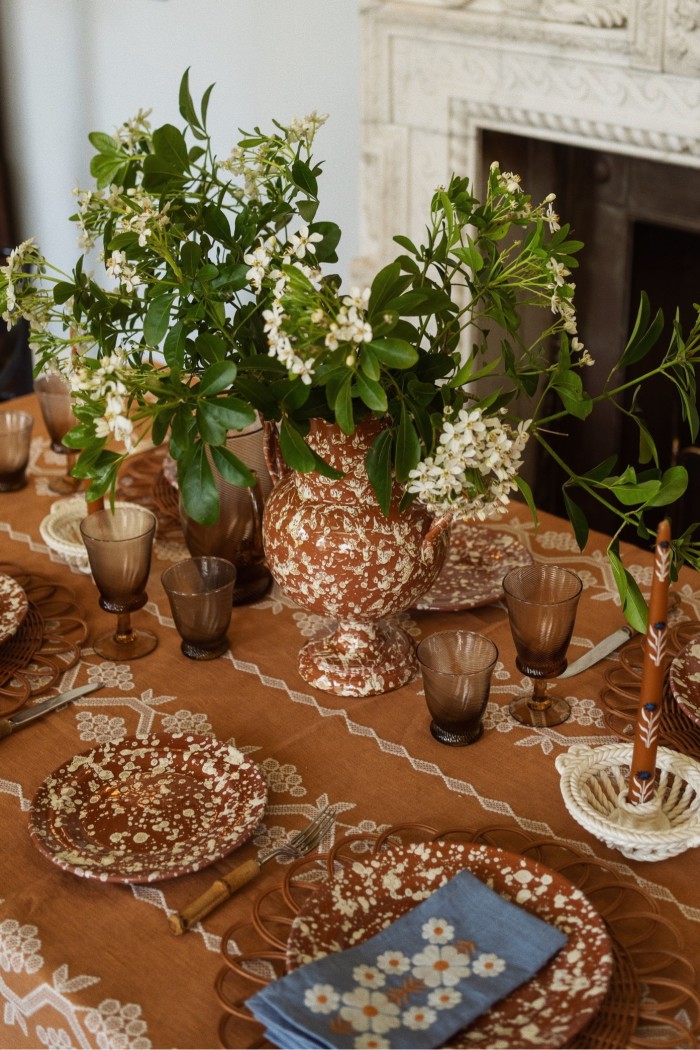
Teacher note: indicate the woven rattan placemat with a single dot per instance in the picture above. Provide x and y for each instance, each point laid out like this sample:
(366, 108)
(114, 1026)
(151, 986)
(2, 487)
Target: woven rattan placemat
(47, 643)
(651, 1000)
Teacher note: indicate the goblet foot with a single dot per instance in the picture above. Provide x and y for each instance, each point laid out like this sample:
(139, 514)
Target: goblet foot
(457, 737)
(359, 659)
(551, 711)
(199, 652)
(131, 646)
(64, 486)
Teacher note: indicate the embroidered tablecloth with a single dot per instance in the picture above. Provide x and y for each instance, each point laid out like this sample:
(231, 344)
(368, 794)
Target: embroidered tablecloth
(89, 964)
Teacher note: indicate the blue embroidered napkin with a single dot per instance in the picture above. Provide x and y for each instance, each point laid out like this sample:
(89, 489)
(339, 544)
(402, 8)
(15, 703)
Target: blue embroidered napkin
(415, 983)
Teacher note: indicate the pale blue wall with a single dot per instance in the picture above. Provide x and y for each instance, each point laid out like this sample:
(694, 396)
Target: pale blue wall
(74, 66)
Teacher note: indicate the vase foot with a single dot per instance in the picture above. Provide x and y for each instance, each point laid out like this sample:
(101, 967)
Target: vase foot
(359, 660)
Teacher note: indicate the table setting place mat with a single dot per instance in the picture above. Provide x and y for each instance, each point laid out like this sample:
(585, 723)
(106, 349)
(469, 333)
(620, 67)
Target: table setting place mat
(384, 942)
(46, 643)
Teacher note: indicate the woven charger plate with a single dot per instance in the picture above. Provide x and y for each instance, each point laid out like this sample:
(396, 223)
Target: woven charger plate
(651, 1000)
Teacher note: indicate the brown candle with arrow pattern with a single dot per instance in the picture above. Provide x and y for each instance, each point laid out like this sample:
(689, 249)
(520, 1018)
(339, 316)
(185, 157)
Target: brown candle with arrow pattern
(643, 772)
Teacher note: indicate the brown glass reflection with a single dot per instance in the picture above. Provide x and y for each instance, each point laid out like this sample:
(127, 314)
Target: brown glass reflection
(15, 446)
(200, 592)
(456, 667)
(56, 403)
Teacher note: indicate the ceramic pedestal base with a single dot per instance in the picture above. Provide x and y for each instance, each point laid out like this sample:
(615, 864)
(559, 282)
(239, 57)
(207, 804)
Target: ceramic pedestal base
(359, 659)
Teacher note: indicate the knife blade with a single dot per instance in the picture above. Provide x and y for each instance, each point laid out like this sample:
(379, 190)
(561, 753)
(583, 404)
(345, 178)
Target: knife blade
(599, 652)
(28, 714)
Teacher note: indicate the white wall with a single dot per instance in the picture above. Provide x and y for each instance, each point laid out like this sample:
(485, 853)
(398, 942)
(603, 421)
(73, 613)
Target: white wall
(69, 67)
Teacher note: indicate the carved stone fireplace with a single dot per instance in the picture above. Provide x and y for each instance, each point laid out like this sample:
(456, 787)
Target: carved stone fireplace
(596, 100)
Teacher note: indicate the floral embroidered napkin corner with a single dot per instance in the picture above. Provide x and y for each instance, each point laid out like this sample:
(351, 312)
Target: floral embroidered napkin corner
(416, 983)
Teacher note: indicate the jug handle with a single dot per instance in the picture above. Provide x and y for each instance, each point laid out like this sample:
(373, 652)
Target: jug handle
(274, 460)
(437, 527)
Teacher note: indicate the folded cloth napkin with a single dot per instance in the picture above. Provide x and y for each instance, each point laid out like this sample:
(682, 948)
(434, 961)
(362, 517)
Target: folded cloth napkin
(415, 983)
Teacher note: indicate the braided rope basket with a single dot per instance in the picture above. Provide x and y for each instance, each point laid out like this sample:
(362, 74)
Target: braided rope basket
(594, 787)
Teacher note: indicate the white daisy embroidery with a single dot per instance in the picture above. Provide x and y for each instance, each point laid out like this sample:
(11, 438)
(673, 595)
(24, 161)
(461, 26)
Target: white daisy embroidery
(444, 998)
(438, 965)
(371, 1042)
(393, 962)
(418, 1018)
(369, 1011)
(437, 931)
(488, 965)
(368, 977)
(321, 999)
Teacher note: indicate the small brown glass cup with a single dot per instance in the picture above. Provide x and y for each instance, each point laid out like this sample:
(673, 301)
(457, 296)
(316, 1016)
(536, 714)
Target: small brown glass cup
(542, 602)
(200, 592)
(457, 668)
(15, 445)
(53, 393)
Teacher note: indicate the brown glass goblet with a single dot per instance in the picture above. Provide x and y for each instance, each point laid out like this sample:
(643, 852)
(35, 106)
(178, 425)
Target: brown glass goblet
(56, 404)
(541, 601)
(119, 546)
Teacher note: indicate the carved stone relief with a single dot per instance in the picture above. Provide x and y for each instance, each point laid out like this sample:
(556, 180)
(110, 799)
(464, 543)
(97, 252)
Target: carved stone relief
(683, 37)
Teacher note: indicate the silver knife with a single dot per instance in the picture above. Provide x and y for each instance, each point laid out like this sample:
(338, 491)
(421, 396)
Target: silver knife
(599, 652)
(28, 714)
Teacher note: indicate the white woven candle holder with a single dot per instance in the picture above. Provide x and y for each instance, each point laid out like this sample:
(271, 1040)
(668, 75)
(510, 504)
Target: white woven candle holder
(594, 784)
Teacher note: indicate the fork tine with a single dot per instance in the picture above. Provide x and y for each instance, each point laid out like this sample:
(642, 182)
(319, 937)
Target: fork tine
(313, 832)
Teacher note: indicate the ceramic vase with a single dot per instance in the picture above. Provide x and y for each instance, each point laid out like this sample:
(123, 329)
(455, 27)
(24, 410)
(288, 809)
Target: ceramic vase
(333, 551)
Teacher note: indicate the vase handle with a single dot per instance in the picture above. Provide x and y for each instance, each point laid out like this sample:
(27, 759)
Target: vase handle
(274, 460)
(437, 527)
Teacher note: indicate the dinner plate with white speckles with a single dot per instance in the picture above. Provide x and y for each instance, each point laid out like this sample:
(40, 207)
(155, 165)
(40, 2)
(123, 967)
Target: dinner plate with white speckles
(13, 606)
(547, 1011)
(147, 808)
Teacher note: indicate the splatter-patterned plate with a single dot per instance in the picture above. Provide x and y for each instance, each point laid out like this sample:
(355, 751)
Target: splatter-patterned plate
(366, 896)
(147, 808)
(684, 679)
(13, 606)
(478, 558)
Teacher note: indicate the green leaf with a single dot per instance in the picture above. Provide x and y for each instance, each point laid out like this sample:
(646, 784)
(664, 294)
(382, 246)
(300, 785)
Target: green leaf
(307, 209)
(378, 465)
(105, 169)
(408, 450)
(190, 257)
(633, 604)
(231, 468)
(105, 144)
(174, 347)
(304, 178)
(526, 493)
(674, 482)
(387, 284)
(157, 319)
(211, 348)
(569, 387)
(371, 393)
(404, 242)
(200, 495)
(343, 408)
(299, 456)
(161, 425)
(394, 353)
(369, 363)
(224, 413)
(325, 248)
(216, 223)
(217, 378)
(577, 518)
(186, 105)
(62, 291)
(644, 336)
(170, 149)
(630, 494)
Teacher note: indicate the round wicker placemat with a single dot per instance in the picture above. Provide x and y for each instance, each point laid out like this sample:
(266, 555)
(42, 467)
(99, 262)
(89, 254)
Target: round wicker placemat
(651, 1001)
(620, 696)
(46, 644)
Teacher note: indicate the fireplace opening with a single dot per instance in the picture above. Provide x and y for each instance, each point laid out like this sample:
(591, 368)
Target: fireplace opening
(640, 224)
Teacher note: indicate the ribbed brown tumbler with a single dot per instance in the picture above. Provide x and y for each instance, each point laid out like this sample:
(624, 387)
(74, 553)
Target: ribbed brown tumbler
(200, 592)
(457, 668)
(119, 546)
(15, 446)
(542, 601)
(56, 404)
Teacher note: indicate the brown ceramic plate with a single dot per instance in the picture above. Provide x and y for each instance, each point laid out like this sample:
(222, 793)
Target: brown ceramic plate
(367, 895)
(13, 606)
(684, 679)
(478, 558)
(147, 808)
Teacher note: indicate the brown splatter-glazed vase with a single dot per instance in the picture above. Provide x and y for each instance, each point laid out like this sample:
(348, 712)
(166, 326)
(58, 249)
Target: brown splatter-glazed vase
(332, 550)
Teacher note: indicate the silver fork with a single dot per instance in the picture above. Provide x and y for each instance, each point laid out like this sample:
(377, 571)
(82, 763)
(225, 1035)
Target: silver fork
(298, 845)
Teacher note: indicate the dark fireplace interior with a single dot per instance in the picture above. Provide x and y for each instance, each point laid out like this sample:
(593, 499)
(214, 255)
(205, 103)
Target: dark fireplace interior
(640, 224)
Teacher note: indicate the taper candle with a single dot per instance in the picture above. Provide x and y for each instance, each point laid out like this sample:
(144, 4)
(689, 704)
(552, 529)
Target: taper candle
(642, 780)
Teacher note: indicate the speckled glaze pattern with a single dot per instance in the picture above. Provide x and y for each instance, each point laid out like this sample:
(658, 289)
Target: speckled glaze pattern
(367, 895)
(13, 606)
(332, 550)
(147, 808)
(684, 679)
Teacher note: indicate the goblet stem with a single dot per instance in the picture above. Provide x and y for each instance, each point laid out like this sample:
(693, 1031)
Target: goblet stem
(539, 700)
(66, 484)
(124, 633)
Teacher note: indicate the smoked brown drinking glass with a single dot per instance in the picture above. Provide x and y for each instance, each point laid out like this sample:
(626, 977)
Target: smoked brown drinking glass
(457, 668)
(542, 602)
(15, 445)
(200, 592)
(119, 546)
(56, 405)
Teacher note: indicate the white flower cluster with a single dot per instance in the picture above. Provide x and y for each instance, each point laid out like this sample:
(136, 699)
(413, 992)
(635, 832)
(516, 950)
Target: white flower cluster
(279, 343)
(146, 217)
(350, 325)
(16, 260)
(122, 271)
(474, 466)
(564, 306)
(304, 128)
(106, 383)
(132, 132)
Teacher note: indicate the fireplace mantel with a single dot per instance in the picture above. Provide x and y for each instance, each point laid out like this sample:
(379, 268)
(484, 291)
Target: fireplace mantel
(617, 75)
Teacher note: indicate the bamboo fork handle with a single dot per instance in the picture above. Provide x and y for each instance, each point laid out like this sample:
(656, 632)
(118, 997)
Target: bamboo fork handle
(217, 893)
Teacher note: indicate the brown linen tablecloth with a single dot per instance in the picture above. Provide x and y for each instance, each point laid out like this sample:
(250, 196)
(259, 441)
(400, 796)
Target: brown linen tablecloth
(90, 964)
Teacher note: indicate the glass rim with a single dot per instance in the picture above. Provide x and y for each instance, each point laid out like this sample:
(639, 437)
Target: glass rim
(151, 527)
(171, 569)
(539, 601)
(458, 674)
(24, 418)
